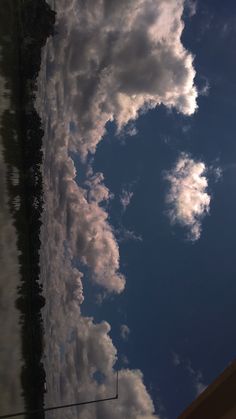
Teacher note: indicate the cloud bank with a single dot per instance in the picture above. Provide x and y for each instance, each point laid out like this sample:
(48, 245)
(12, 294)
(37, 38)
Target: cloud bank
(106, 63)
(187, 199)
(80, 366)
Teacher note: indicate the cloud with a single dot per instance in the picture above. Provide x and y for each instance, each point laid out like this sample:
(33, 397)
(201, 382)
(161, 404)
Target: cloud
(75, 215)
(187, 198)
(91, 236)
(196, 375)
(76, 348)
(106, 63)
(76, 230)
(176, 359)
(125, 198)
(124, 331)
(124, 360)
(87, 353)
(197, 378)
(131, 130)
(124, 235)
(203, 86)
(118, 60)
(81, 221)
(216, 171)
(191, 6)
(80, 358)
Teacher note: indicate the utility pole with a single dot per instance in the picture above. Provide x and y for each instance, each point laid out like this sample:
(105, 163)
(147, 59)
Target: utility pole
(63, 406)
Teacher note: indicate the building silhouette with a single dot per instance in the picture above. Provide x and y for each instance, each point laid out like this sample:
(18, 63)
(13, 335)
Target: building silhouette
(218, 401)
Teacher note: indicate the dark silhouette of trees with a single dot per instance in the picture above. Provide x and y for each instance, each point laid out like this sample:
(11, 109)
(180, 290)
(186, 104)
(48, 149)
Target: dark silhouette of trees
(22, 35)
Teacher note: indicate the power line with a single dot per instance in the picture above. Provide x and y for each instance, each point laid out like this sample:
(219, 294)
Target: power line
(63, 406)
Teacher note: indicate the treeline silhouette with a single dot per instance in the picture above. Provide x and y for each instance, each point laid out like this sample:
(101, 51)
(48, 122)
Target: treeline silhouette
(25, 26)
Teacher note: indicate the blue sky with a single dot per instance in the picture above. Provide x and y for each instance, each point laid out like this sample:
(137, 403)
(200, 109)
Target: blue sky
(167, 269)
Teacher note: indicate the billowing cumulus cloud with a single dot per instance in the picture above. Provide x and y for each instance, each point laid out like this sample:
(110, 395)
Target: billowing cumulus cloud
(78, 218)
(105, 63)
(75, 215)
(188, 199)
(90, 235)
(80, 356)
(117, 59)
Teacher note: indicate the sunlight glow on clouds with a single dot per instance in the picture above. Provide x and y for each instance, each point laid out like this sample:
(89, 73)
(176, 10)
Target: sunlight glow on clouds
(187, 199)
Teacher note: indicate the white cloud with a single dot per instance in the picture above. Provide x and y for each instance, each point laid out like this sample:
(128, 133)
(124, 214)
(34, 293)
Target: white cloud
(131, 130)
(204, 89)
(216, 172)
(76, 228)
(125, 198)
(79, 219)
(124, 331)
(187, 199)
(191, 6)
(106, 63)
(124, 360)
(118, 59)
(73, 376)
(124, 235)
(76, 350)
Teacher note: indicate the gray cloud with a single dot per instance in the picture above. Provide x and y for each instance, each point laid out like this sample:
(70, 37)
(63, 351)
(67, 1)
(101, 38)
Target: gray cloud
(187, 199)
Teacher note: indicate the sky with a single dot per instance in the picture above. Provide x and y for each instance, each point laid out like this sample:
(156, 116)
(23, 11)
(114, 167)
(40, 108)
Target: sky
(138, 103)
